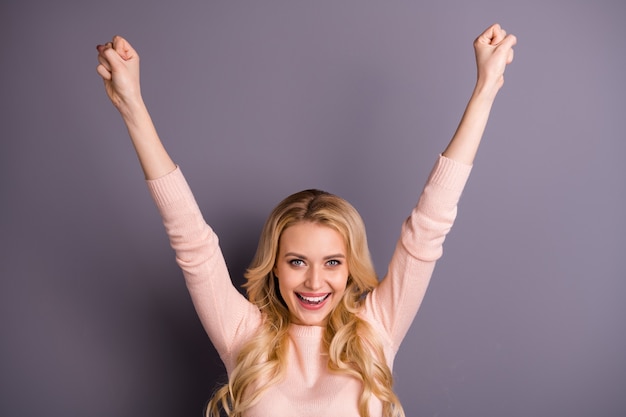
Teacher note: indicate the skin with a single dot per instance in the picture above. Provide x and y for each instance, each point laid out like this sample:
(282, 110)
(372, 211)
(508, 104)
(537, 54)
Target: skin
(311, 264)
(118, 65)
(119, 69)
(494, 51)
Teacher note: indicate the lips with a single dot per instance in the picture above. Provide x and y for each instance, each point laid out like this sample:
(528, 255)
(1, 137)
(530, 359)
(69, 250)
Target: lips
(312, 301)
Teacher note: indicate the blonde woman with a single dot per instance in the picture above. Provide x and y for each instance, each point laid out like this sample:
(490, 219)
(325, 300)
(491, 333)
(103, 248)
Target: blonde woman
(318, 332)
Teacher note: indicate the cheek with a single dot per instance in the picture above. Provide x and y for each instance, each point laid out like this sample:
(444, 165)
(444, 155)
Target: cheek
(285, 281)
(341, 283)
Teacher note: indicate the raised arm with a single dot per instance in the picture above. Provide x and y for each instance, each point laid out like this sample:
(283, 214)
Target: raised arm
(494, 50)
(226, 315)
(396, 300)
(119, 68)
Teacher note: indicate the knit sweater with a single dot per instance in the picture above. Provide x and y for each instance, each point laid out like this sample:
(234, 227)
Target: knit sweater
(309, 387)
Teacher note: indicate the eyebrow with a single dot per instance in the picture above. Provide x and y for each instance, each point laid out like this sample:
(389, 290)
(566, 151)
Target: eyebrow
(297, 255)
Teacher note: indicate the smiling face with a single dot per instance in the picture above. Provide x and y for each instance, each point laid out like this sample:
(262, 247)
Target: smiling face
(312, 271)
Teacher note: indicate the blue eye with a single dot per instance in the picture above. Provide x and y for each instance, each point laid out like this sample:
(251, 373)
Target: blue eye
(296, 262)
(333, 262)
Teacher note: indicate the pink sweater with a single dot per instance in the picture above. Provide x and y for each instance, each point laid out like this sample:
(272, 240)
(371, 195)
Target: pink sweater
(309, 388)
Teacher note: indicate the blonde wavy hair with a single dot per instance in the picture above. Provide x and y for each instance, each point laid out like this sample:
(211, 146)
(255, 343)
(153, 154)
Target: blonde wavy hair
(353, 346)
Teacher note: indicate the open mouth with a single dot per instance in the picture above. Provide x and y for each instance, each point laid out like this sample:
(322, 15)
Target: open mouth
(313, 301)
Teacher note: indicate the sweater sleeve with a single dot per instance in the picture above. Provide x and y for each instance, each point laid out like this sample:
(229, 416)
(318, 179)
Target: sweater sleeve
(394, 303)
(226, 315)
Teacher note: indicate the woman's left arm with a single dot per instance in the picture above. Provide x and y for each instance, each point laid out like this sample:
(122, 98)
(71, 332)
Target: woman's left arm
(396, 300)
(494, 51)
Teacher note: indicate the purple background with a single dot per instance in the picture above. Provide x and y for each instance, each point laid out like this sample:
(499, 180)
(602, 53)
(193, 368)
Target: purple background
(525, 314)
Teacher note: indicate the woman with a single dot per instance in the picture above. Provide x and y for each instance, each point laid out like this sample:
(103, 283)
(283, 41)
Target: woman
(318, 332)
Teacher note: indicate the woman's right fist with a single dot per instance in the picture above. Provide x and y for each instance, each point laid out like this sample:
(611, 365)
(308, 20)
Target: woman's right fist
(119, 68)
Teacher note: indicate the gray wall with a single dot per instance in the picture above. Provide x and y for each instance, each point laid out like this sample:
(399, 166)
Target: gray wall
(255, 100)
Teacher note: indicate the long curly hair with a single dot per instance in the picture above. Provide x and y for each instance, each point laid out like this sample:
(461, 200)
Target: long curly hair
(353, 346)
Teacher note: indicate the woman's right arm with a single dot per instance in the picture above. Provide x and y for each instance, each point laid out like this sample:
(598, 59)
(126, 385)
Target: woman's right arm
(119, 68)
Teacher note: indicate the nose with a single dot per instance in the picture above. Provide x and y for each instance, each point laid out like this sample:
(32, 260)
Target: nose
(313, 279)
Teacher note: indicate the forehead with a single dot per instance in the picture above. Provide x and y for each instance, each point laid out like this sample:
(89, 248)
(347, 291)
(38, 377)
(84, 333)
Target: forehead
(313, 238)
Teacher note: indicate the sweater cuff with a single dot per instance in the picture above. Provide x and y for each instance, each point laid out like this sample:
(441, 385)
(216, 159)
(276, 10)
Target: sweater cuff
(450, 174)
(169, 188)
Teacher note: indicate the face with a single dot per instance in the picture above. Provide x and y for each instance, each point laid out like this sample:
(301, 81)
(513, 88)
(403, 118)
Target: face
(312, 271)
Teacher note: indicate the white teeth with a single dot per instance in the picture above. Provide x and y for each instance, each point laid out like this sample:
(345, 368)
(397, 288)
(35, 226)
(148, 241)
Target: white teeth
(313, 300)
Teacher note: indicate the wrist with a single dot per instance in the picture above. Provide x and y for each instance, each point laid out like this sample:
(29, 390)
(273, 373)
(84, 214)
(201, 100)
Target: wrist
(486, 91)
(132, 110)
